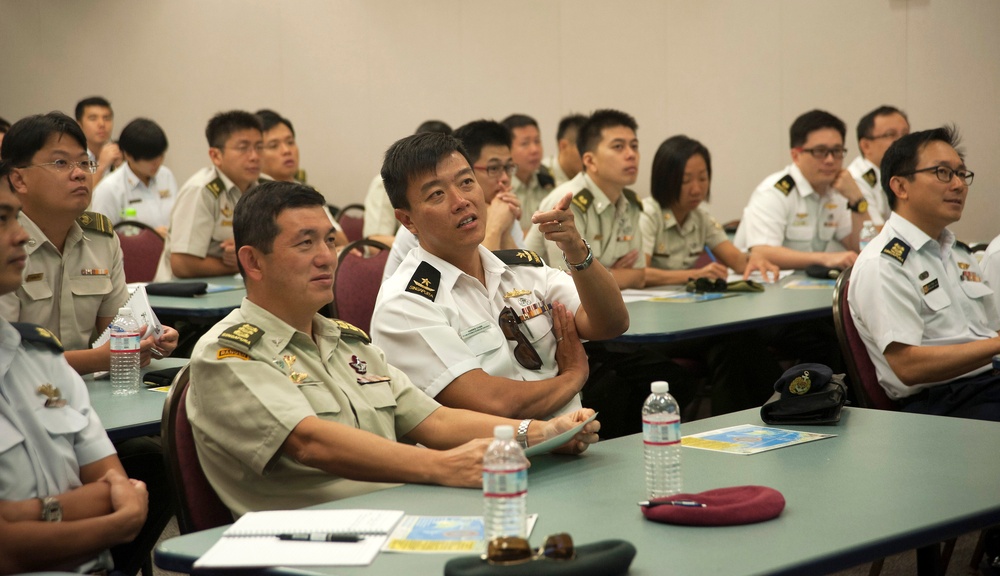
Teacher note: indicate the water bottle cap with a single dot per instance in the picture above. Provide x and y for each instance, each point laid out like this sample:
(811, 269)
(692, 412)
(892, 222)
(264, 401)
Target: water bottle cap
(659, 387)
(124, 311)
(503, 432)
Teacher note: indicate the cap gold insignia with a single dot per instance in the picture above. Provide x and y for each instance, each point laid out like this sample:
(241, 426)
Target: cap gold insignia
(801, 384)
(298, 377)
(516, 293)
(53, 396)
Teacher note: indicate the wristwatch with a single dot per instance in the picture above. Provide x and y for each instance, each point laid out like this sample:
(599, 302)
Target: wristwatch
(586, 261)
(51, 510)
(522, 433)
(861, 206)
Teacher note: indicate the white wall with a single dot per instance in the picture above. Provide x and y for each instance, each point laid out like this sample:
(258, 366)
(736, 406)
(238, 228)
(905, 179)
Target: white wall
(355, 75)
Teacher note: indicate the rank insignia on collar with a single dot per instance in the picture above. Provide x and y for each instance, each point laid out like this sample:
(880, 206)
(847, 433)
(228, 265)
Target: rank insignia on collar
(869, 177)
(359, 365)
(53, 396)
(801, 384)
(897, 250)
(298, 377)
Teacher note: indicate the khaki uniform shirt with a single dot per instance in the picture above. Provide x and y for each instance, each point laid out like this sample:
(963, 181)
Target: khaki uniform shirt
(611, 229)
(676, 246)
(532, 193)
(552, 163)
(202, 217)
(254, 378)
(48, 429)
(66, 293)
(380, 217)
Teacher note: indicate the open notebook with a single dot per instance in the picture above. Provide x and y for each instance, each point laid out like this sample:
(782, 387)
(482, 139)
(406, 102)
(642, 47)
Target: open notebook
(253, 542)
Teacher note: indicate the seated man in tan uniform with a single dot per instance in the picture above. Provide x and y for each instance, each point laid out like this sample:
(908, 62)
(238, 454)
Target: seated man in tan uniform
(290, 408)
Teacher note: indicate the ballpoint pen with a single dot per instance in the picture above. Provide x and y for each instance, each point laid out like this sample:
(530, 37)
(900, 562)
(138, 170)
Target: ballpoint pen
(321, 537)
(685, 503)
(711, 255)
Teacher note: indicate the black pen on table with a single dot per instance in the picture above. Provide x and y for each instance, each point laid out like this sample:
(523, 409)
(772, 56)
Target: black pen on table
(321, 537)
(684, 503)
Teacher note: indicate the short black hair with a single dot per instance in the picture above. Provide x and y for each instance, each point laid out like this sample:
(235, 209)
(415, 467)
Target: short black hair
(29, 135)
(224, 124)
(571, 122)
(668, 168)
(143, 139)
(4, 126)
(438, 126)
(269, 119)
(81, 106)
(901, 158)
(413, 156)
(867, 122)
(812, 121)
(5, 169)
(255, 219)
(479, 133)
(589, 135)
(518, 121)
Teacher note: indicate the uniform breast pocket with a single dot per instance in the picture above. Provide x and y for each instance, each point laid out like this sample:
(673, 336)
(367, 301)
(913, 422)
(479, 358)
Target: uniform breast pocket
(976, 290)
(936, 299)
(379, 395)
(37, 291)
(800, 233)
(64, 421)
(483, 341)
(9, 436)
(537, 328)
(84, 286)
(319, 398)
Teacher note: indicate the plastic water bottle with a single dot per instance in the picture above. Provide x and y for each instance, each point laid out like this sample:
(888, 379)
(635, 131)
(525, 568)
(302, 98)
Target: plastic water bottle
(661, 438)
(505, 486)
(125, 339)
(868, 232)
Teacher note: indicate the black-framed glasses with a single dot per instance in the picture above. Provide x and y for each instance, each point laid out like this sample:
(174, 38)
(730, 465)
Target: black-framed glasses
(524, 352)
(945, 174)
(507, 550)
(61, 165)
(891, 134)
(493, 170)
(707, 285)
(821, 152)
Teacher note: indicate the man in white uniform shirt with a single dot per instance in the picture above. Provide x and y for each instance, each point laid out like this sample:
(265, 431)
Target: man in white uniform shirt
(498, 333)
(877, 130)
(917, 295)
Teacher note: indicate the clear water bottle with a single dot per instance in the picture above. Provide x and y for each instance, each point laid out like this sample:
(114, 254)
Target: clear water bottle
(661, 438)
(125, 339)
(867, 234)
(505, 486)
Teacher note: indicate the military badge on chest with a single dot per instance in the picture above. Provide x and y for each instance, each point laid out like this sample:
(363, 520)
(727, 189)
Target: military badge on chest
(526, 304)
(359, 365)
(53, 397)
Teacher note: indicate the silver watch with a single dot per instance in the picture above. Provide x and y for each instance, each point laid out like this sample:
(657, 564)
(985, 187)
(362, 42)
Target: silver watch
(586, 261)
(51, 510)
(522, 433)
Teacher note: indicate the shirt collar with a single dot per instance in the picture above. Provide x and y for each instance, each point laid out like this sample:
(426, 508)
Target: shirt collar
(229, 183)
(909, 232)
(37, 238)
(801, 184)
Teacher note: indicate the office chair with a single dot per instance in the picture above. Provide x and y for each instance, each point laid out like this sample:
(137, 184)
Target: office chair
(352, 219)
(357, 281)
(142, 247)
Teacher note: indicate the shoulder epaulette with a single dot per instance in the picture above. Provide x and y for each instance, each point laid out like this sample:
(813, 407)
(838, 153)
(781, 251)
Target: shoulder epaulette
(786, 184)
(582, 200)
(216, 186)
(300, 175)
(425, 281)
(963, 246)
(96, 222)
(518, 257)
(897, 250)
(870, 177)
(633, 198)
(545, 179)
(350, 330)
(241, 336)
(35, 333)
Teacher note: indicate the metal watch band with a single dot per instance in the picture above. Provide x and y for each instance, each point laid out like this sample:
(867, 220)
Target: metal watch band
(51, 510)
(586, 261)
(522, 433)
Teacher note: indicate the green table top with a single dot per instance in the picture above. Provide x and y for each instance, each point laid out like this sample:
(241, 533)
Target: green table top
(126, 417)
(211, 305)
(888, 482)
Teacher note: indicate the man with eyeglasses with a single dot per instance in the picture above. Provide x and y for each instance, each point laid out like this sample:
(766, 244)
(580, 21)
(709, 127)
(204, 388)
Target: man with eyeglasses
(917, 295)
(201, 223)
(488, 145)
(497, 332)
(812, 210)
(877, 130)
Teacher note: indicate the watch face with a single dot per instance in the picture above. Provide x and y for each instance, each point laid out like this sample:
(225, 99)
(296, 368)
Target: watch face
(51, 510)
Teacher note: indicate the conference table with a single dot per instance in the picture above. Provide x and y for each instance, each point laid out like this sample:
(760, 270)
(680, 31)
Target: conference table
(887, 483)
(652, 321)
(130, 416)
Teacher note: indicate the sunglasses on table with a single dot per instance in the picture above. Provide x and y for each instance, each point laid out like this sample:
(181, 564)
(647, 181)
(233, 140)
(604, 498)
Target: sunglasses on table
(524, 352)
(507, 550)
(706, 285)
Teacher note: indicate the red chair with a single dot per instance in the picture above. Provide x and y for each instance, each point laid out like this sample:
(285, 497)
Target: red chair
(352, 219)
(860, 369)
(142, 247)
(356, 283)
(198, 506)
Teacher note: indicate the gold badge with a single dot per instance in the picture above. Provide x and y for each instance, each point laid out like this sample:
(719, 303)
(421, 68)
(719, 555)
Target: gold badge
(164, 193)
(289, 359)
(298, 377)
(963, 265)
(801, 384)
(53, 396)
(516, 293)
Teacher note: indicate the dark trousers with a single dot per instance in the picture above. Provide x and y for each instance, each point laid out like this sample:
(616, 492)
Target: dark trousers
(142, 459)
(976, 397)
